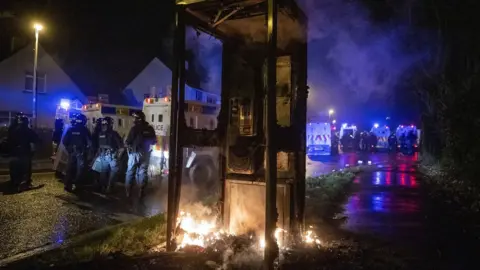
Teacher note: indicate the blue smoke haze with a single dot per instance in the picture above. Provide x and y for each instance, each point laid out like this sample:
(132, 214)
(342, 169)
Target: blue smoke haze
(355, 65)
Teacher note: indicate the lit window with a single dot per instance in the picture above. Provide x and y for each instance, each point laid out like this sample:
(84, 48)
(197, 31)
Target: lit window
(41, 82)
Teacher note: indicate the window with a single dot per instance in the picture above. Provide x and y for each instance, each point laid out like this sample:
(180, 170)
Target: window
(153, 118)
(199, 96)
(212, 124)
(160, 118)
(211, 100)
(93, 120)
(120, 122)
(41, 82)
(191, 122)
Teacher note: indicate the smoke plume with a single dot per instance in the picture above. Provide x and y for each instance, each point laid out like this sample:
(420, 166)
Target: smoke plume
(353, 61)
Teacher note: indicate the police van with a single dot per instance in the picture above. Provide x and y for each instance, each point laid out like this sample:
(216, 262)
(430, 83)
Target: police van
(319, 138)
(403, 130)
(382, 133)
(201, 111)
(119, 113)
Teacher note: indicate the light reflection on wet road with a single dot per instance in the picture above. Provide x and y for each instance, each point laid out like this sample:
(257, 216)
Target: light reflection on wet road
(387, 202)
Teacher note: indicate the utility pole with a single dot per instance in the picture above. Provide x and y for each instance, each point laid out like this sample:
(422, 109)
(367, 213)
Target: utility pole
(271, 248)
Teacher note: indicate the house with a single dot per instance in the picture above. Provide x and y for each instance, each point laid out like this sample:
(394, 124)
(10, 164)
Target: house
(156, 80)
(16, 84)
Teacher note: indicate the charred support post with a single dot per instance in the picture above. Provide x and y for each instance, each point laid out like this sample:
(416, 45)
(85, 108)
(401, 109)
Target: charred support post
(181, 125)
(271, 248)
(178, 47)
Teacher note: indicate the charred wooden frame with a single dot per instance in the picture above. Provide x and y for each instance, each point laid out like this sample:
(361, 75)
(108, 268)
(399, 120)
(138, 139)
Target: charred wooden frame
(247, 42)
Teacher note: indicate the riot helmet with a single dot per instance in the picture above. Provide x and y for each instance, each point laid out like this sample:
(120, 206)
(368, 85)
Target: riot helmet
(138, 116)
(22, 120)
(80, 120)
(98, 122)
(107, 123)
(98, 125)
(73, 119)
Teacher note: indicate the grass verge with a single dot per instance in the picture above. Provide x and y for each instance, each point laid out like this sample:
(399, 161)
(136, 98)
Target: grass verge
(326, 195)
(458, 200)
(130, 239)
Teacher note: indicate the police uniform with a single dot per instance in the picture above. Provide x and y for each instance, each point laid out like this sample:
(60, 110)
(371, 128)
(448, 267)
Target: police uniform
(139, 141)
(109, 144)
(21, 140)
(77, 141)
(96, 132)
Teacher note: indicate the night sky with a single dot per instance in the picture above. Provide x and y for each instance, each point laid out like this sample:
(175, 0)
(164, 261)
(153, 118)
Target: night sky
(101, 44)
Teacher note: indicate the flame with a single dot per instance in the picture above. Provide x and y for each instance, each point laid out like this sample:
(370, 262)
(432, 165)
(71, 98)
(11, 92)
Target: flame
(278, 238)
(197, 232)
(311, 238)
(203, 232)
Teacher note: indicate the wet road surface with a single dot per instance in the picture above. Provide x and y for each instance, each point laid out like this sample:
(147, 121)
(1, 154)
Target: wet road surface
(318, 164)
(388, 202)
(48, 214)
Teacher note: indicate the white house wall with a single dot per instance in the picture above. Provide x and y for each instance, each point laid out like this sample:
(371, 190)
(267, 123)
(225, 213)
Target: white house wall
(12, 85)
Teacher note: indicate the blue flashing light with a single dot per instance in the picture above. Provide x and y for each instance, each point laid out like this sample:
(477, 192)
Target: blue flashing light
(64, 104)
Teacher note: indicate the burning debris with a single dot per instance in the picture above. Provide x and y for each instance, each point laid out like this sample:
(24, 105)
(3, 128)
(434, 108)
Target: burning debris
(202, 233)
(199, 234)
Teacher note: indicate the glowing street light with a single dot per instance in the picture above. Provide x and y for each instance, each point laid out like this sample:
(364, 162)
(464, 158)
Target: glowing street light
(334, 121)
(38, 27)
(330, 113)
(376, 125)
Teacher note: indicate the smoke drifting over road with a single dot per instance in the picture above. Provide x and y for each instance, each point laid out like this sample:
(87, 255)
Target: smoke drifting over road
(352, 60)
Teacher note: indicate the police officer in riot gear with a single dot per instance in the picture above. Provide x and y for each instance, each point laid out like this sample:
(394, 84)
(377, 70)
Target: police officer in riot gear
(138, 143)
(22, 140)
(109, 145)
(77, 141)
(392, 142)
(96, 132)
(93, 154)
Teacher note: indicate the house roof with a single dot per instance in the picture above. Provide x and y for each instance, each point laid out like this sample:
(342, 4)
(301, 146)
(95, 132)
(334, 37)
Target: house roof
(43, 52)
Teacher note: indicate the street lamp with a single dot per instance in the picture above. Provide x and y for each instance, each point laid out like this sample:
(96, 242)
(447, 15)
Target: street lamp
(330, 112)
(38, 27)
